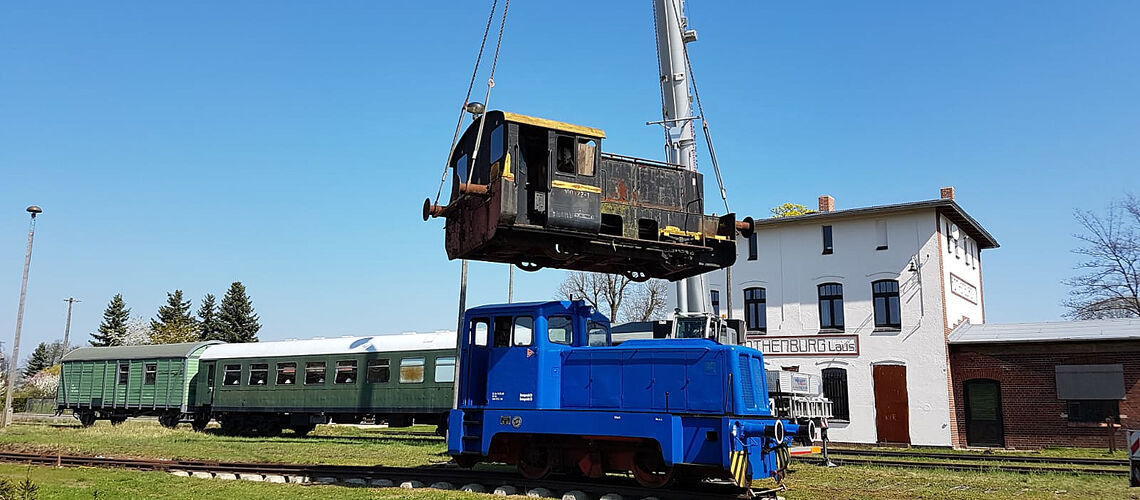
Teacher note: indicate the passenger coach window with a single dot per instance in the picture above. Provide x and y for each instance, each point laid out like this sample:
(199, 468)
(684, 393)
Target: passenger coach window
(315, 372)
(558, 329)
(232, 375)
(479, 329)
(411, 370)
(445, 370)
(378, 371)
(150, 373)
(286, 373)
(524, 331)
(258, 373)
(502, 331)
(124, 373)
(345, 372)
(596, 333)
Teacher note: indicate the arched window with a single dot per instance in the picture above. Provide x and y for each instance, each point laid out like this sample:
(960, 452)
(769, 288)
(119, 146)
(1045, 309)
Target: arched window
(835, 389)
(831, 306)
(755, 309)
(885, 294)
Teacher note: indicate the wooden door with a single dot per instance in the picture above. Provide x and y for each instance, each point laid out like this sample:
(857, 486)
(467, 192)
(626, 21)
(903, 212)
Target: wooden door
(892, 411)
(983, 413)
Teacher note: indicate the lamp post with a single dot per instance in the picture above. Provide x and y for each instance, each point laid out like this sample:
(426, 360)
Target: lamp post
(13, 362)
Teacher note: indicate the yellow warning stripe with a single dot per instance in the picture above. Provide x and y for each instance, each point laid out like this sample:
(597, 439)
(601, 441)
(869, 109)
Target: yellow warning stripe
(738, 467)
(574, 186)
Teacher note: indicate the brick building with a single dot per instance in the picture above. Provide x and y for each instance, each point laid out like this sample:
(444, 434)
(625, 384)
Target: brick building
(1030, 385)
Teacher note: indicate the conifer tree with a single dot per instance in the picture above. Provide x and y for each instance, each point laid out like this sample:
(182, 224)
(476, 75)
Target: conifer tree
(43, 356)
(236, 315)
(209, 327)
(114, 326)
(175, 313)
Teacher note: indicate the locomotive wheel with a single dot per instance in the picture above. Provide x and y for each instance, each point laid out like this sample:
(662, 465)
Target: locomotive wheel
(86, 418)
(650, 471)
(534, 462)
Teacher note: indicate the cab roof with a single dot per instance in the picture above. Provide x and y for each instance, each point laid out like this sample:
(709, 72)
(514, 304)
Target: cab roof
(553, 124)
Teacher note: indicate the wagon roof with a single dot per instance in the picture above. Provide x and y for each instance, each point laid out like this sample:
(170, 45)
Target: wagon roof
(156, 351)
(339, 345)
(553, 124)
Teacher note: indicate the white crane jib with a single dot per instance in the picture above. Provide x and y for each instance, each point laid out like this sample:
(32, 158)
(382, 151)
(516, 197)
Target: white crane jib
(677, 117)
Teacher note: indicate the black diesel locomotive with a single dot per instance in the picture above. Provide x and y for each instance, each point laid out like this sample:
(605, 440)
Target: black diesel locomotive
(540, 193)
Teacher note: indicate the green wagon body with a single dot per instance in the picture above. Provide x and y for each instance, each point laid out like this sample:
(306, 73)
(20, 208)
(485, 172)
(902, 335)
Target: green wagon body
(119, 382)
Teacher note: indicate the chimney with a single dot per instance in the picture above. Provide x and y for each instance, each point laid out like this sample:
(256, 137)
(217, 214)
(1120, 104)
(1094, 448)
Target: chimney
(946, 193)
(826, 203)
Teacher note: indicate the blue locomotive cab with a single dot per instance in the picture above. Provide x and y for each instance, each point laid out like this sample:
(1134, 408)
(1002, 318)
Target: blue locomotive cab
(541, 387)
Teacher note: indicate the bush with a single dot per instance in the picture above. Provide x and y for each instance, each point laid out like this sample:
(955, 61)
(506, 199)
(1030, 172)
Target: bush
(19, 490)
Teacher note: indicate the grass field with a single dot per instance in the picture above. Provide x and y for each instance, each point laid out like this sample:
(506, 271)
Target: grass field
(350, 445)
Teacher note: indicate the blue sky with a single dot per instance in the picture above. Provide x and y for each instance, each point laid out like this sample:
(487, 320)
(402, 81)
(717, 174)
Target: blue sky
(289, 145)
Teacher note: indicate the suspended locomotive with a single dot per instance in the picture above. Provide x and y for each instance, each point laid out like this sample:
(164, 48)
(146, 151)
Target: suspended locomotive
(540, 193)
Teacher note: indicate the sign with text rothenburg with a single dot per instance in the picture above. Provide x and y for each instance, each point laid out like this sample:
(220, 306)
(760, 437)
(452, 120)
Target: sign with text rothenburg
(807, 345)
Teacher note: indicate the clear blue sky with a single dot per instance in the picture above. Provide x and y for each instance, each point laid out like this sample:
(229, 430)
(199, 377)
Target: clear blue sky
(289, 145)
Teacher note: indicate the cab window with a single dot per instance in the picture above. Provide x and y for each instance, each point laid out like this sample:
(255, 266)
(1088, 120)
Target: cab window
(524, 331)
(565, 160)
(587, 152)
(497, 144)
(479, 329)
(502, 331)
(558, 329)
(461, 167)
(596, 333)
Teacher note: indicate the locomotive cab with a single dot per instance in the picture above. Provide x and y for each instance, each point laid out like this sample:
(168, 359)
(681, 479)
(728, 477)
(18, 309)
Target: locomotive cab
(540, 193)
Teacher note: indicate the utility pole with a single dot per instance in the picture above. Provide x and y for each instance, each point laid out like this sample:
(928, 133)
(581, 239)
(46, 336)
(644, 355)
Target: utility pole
(12, 363)
(511, 284)
(677, 117)
(67, 329)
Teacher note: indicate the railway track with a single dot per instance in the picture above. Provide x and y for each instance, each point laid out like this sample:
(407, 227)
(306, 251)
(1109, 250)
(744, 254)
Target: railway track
(977, 463)
(439, 477)
(1027, 459)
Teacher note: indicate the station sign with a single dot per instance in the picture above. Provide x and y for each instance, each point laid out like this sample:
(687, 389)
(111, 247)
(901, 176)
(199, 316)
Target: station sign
(807, 345)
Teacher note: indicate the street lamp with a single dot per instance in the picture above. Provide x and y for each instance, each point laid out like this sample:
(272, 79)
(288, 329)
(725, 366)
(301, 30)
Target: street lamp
(12, 363)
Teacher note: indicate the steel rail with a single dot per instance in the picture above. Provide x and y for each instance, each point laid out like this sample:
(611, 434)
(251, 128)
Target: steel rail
(1106, 462)
(966, 466)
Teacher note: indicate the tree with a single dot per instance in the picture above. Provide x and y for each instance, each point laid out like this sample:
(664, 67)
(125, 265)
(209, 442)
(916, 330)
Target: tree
(1109, 286)
(209, 327)
(175, 313)
(44, 355)
(236, 316)
(790, 209)
(114, 325)
(174, 333)
(138, 331)
(646, 301)
(597, 289)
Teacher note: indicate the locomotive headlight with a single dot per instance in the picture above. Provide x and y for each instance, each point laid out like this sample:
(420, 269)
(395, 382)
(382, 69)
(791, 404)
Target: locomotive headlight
(476, 108)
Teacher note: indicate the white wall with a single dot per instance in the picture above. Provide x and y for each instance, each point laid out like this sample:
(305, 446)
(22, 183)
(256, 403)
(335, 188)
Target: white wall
(791, 265)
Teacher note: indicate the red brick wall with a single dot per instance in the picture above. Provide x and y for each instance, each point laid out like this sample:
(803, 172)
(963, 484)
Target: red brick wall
(1031, 413)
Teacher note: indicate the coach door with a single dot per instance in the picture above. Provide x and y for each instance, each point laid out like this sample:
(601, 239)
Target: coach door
(512, 363)
(892, 410)
(983, 413)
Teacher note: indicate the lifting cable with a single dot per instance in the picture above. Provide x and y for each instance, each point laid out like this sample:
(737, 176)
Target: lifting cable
(490, 85)
(700, 109)
(470, 86)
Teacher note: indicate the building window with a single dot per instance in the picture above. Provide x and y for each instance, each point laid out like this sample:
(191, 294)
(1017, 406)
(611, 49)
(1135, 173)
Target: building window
(286, 373)
(835, 389)
(827, 246)
(345, 372)
(124, 373)
(714, 299)
(524, 331)
(880, 235)
(411, 370)
(445, 370)
(755, 309)
(949, 236)
(885, 294)
(150, 373)
(831, 306)
(753, 251)
(378, 371)
(1094, 410)
(969, 252)
(231, 375)
(558, 329)
(315, 373)
(258, 373)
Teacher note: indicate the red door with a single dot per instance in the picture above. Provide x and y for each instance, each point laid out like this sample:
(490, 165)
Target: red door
(892, 411)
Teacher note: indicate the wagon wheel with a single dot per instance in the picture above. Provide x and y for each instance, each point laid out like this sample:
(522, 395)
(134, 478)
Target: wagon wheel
(465, 461)
(168, 420)
(534, 462)
(303, 430)
(199, 423)
(649, 469)
(86, 418)
(118, 420)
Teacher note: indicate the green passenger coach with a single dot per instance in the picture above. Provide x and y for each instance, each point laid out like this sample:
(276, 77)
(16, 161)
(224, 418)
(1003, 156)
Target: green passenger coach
(113, 383)
(265, 387)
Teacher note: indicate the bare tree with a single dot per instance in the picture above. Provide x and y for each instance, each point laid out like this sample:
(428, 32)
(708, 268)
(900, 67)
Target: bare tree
(646, 301)
(603, 291)
(1110, 284)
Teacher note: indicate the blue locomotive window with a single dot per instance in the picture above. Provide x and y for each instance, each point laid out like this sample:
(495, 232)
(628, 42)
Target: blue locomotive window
(524, 331)
(124, 373)
(286, 373)
(502, 331)
(150, 374)
(559, 329)
(378, 371)
(596, 333)
(411, 370)
(314, 372)
(479, 329)
(258, 373)
(231, 375)
(345, 372)
(445, 370)
(497, 144)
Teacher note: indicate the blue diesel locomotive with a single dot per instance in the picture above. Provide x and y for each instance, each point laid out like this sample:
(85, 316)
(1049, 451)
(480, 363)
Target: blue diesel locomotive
(541, 387)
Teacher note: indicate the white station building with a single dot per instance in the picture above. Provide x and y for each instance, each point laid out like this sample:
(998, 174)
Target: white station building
(865, 298)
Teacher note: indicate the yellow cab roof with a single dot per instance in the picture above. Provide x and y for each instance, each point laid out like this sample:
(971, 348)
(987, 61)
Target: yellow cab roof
(552, 124)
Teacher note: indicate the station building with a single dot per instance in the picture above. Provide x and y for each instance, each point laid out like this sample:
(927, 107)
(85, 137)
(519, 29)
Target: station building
(866, 298)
